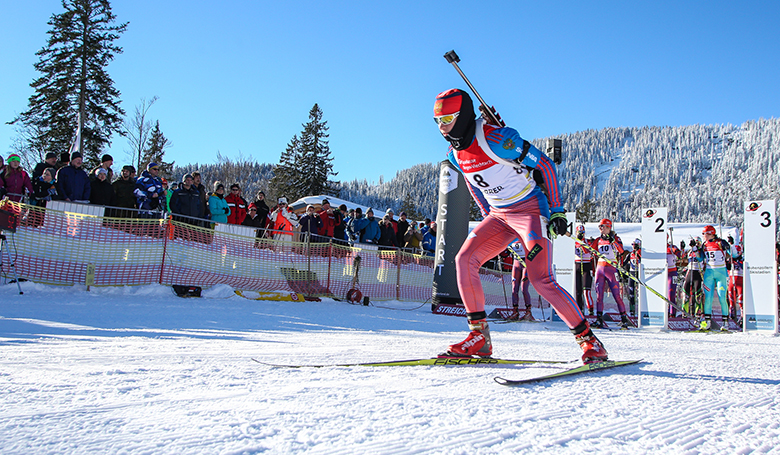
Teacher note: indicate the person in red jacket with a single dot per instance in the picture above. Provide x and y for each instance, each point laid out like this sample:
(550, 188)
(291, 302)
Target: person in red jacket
(330, 219)
(237, 205)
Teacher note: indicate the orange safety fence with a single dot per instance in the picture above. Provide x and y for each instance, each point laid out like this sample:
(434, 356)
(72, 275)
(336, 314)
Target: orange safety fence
(68, 243)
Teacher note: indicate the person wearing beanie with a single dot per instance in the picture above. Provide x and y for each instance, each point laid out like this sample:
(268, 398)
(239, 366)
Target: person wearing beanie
(101, 192)
(499, 167)
(45, 187)
(356, 226)
(402, 227)
(49, 161)
(262, 208)
(74, 181)
(148, 190)
(218, 206)
(330, 219)
(106, 161)
(16, 180)
(185, 201)
(284, 221)
(124, 192)
(237, 204)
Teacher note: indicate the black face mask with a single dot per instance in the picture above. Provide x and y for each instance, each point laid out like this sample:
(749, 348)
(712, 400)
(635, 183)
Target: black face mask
(462, 134)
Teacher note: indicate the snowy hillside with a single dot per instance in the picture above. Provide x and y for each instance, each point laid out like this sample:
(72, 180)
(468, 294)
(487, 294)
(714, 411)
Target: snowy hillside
(137, 370)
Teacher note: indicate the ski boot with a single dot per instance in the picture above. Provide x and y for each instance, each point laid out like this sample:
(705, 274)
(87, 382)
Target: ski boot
(725, 325)
(706, 324)
(528, 316)
(476, 344)
(625, 323)
(592, 349)
(514, 316)
(599, 324)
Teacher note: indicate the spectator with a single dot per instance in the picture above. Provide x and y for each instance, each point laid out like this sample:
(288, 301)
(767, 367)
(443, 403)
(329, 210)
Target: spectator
(2, 165)
(74, 181)
(105, 163)
(310, 224)
(392, 220)
(426, 225)
(196, 181)
(253, 219)
(387, 237)
(45, 188)
(186, 201)
(64, 160)
(237, 205)
(101, 192)
(168, 193)
(149, 188)
(429, 241)
(330, 219)
(339, 230)
(49, 161)
(284, 220)
(124, 190)
(262, 208)
(357, 225)
(17, 182)
(413, 238)
(218, 206)
(402, 225)
(371, 233)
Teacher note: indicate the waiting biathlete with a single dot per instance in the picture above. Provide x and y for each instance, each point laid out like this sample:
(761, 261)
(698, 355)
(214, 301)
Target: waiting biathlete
(673, 255)
(583, 266)
(633, 260)
(735, 290)
(717, 261)
(498, 166)
(610, 247)
(693, 278)
(520, 281)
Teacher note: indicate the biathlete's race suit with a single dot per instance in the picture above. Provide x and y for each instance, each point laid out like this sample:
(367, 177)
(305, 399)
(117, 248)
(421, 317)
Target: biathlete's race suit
(605, 273)
(717, 257)
(634, 260)
(673, 254)
(583, 265)
(519, 279)
(498, 166)
(735, 281)
(693, 279)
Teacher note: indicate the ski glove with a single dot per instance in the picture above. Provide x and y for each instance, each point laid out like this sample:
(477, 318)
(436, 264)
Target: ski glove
(558, 225)
(227, 210)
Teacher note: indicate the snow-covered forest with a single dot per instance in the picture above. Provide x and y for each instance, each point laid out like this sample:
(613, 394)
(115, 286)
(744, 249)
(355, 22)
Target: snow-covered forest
(702, 173)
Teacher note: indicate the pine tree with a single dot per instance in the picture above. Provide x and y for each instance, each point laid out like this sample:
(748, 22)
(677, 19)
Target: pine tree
(284, 181)
(74, 80)
(314, 161)
(408, 206)
(155, 152)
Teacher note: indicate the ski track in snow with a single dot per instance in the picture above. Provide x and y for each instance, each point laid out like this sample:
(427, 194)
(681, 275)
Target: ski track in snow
(140, 371)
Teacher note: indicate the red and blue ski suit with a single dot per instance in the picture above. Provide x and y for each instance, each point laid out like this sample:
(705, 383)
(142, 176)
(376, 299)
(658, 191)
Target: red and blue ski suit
(498, 167)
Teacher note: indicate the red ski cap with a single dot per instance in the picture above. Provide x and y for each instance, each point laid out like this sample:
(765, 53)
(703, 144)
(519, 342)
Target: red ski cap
(606, 222)
(709, 230)
(448, 102)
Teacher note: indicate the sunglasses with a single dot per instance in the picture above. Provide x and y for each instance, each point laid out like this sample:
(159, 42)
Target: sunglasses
(235, 190)
(445, 119)
(602, 225)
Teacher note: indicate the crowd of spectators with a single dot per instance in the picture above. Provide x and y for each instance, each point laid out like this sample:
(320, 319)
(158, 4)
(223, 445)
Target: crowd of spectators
(149, 196)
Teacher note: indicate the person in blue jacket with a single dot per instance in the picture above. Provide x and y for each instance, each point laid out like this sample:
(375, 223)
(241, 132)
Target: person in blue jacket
(372, 234)
(356, 225)
(74, 181)
(218, 206)
(429, 240)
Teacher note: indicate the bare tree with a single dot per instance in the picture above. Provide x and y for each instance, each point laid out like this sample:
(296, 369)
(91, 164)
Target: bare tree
(137, 130)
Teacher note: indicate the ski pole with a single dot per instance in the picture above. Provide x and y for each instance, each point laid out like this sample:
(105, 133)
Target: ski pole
(453, 58)
(636, 279)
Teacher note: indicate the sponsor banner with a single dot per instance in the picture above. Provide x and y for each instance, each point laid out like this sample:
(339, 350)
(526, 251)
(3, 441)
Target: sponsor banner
(563, 260)
(653, 309)
(503, 313)
(449, 309)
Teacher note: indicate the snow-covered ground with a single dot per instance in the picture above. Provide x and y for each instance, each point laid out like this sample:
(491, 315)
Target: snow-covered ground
(138, 370)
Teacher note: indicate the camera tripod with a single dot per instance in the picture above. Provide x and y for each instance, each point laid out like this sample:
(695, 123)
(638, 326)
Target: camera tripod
(5, 252)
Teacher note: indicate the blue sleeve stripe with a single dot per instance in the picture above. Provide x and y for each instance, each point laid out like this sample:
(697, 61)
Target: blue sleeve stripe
(550, 181)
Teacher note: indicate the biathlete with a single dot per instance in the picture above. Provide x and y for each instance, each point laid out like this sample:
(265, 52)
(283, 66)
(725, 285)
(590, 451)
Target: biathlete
(693, 277)
(610, 247)
(498, 166)
(583, 266)
(520, 283)
(717, 262)
(673, 254)
(735, 289)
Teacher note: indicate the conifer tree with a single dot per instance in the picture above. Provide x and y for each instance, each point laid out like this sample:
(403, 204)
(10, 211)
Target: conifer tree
(315, 163)
(74, 80)
(285, 176)
(408, 206)
(155, 151)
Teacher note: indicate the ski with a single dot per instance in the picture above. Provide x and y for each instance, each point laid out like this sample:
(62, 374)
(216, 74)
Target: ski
(433, 361)
(588, 367)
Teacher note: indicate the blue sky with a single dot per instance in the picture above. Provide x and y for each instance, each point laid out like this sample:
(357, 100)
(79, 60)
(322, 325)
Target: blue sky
(241, 76)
